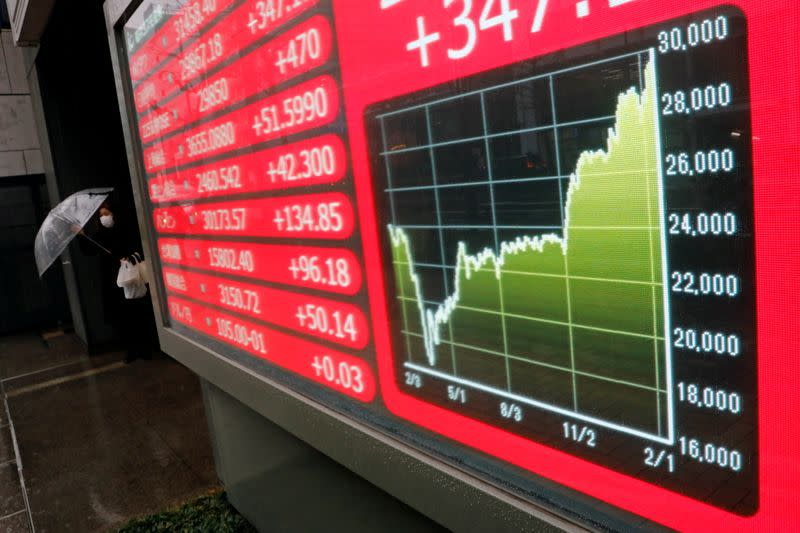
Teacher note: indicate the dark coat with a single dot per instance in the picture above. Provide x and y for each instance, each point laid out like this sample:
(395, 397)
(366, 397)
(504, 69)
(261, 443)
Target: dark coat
(123, 241)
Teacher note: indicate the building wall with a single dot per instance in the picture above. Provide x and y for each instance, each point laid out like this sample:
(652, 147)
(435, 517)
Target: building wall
(20, 154)
(28, 18)
(25, 300)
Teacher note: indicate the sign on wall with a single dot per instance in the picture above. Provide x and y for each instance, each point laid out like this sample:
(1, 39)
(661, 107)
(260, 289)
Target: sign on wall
(549, 232)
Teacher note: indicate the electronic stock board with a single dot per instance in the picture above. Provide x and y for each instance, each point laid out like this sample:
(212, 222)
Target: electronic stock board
(544, 240)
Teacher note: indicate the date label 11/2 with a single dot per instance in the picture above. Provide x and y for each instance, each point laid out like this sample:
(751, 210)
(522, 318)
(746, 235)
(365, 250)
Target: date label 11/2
(580, 434)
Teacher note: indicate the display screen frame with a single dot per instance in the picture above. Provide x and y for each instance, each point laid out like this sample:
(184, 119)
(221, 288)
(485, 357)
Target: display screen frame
(353, 443)
(367, 451)
(468, 398)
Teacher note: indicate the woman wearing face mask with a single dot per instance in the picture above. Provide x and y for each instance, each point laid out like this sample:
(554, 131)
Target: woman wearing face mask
(133, 319)
(106, 218)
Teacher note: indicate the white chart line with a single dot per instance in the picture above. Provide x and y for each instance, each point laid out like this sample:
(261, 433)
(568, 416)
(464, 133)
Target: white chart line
(539, 404)
(664, 264)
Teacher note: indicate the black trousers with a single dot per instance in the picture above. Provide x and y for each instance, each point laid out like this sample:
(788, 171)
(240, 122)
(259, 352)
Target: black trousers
(137, 327)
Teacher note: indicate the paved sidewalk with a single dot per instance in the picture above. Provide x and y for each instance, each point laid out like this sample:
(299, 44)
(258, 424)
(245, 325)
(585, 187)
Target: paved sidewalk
(91, 442)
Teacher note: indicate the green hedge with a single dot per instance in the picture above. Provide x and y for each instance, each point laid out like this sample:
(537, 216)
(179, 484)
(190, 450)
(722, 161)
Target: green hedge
(210, 514)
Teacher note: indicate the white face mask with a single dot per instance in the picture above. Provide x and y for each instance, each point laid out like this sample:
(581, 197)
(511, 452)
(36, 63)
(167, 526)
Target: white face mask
(107, 221)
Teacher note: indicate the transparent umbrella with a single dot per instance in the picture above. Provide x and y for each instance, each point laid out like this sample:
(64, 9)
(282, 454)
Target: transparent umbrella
(64, 222)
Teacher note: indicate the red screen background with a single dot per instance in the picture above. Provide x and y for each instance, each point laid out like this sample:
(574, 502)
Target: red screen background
(376, 66)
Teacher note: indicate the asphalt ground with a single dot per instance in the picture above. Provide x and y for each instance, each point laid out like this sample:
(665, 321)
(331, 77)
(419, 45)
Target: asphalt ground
(88, 443)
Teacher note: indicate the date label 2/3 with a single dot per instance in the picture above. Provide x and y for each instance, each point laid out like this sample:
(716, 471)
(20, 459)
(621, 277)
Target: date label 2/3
(412, 379)
(580, 434)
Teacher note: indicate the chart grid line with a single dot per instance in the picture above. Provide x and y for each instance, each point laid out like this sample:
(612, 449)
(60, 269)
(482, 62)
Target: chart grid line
(565, 254)
(551, 366)
(516, 82)
(496, 238)
(394, 220)
(489, 226)
(545, 320)
(542, 274)
(388, 174)
(502, 181)
(445, 281)
(390, 152)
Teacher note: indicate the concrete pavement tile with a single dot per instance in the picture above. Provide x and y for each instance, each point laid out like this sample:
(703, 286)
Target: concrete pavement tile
(181, 431)
(103, 393)
(69, 343)
(6, 445)
(17, 348)
(131, 473)
(15, 524)
(28, 353)
(60, 371)
(11, 499)
(100, 450)
(30, 344)
(104, 494)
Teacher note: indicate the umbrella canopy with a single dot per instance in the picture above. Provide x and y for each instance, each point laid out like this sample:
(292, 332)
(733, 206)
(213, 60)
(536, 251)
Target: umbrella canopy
(64, 222)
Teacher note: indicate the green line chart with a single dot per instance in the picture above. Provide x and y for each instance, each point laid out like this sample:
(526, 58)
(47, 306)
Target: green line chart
(571, 319)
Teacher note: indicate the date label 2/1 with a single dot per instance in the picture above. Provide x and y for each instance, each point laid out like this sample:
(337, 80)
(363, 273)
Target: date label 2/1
(580, 434)
(659, 459)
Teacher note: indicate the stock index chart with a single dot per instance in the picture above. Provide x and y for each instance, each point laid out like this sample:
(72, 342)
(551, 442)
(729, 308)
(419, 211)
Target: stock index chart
(571, 252)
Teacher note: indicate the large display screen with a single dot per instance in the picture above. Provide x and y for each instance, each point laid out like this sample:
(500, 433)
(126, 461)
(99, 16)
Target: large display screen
(552, 279)
(536, 239)
(244, 101)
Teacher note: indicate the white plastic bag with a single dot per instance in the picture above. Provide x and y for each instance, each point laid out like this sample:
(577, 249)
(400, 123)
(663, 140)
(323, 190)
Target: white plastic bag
(128, 273)
(131, 280)
(144, 272)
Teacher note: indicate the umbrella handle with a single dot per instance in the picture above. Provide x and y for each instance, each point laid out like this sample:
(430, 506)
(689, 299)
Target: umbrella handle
(106, 250)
